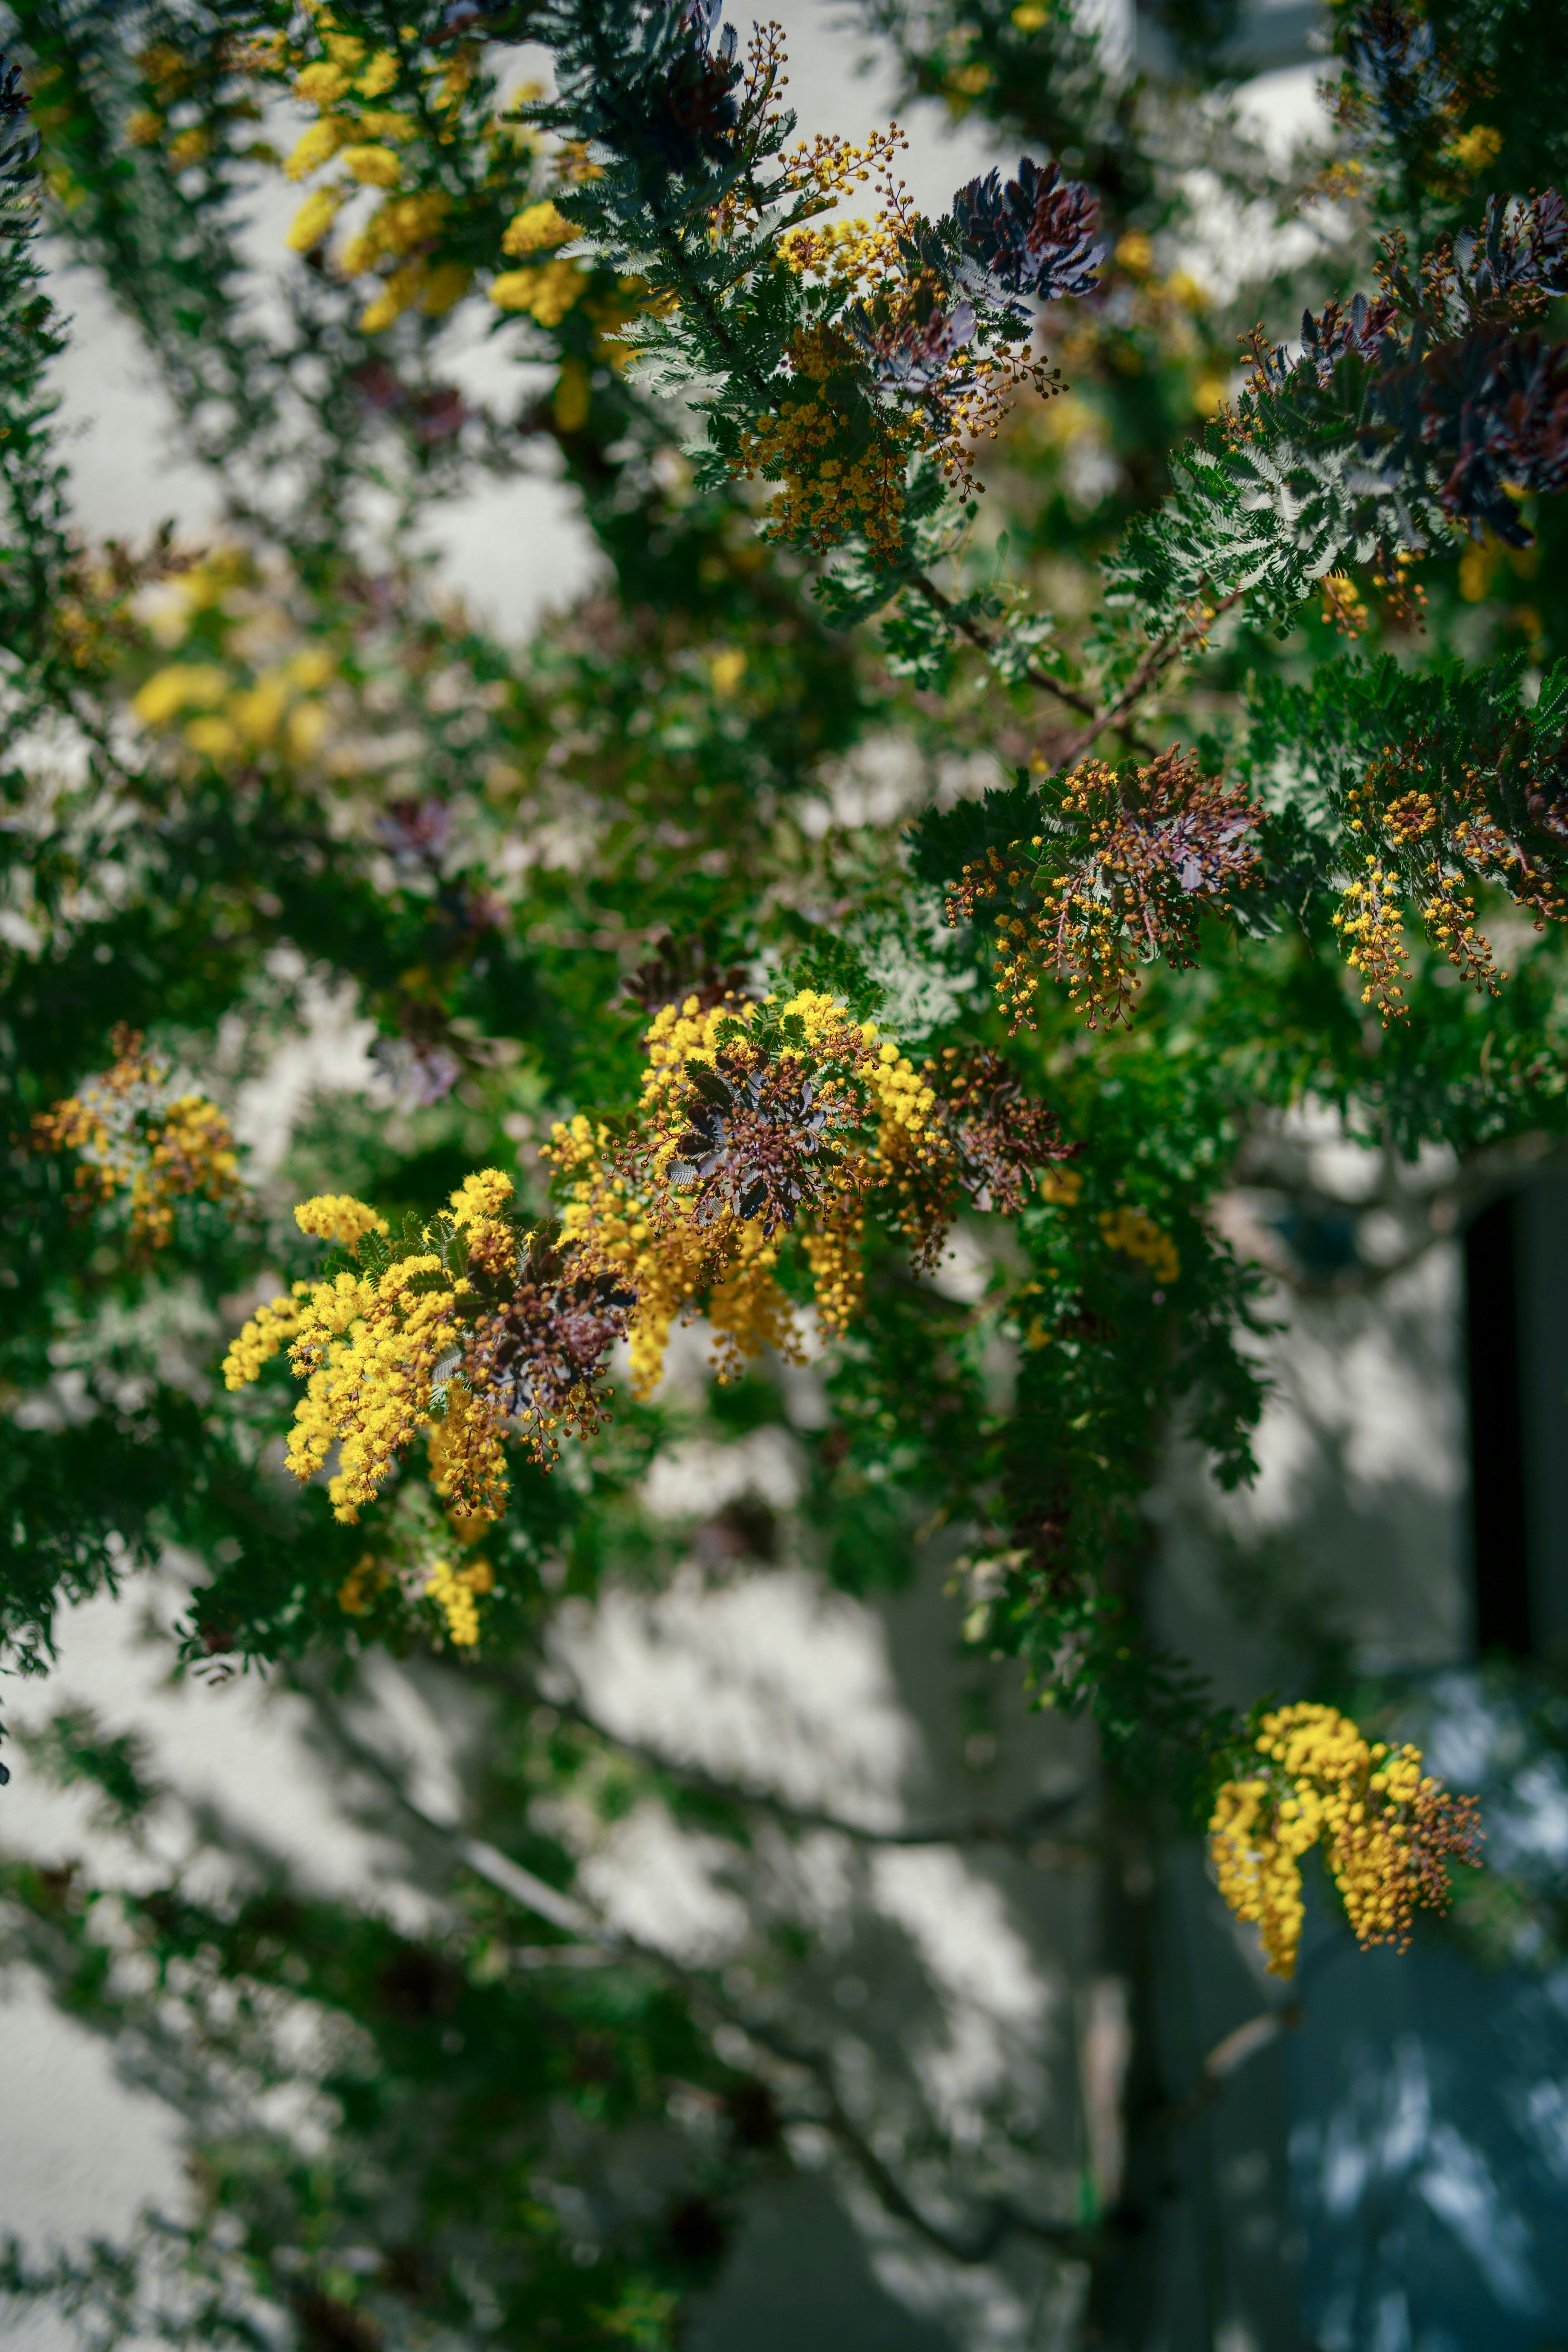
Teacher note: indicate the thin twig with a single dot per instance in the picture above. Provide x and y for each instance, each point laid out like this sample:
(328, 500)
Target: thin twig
(1071, 697)
(1082, 703)
(1177, 640)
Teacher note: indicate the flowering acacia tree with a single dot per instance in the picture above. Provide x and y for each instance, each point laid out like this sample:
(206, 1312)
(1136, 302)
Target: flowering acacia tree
(757, 1070)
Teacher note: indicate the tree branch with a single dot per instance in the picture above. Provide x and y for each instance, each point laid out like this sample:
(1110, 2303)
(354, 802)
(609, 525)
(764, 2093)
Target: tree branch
(1084, 704)
(1177, 640)
(1017, 1830)
(533, 1894)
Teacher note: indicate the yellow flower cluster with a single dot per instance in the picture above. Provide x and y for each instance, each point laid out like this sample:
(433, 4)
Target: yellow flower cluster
(455, 1592)
(1429, 841)
(368, 1349)
(1372, 932)
(277, 710)
(840, 439)
(1138, 1236)
(272, 1327)
(669, 1261)
(637, 1216)
(339, 1217)
(132, 1137)
(359, 1588)
(1343, 605)
(450, 1335)
(367, 1345)
(1135, 857)
(1386, 1827)
(854, 253)
(362, 143)
(467, 1460)
(833, 478)
(544, 290)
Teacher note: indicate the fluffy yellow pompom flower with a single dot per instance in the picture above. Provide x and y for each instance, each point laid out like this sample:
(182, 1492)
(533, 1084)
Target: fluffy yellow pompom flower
(373, 166)
(313, 219)
(454, 1591)
(486, 1194)
(339, 1217)
(1387, 1829)
(271, 1326)
(535, 228)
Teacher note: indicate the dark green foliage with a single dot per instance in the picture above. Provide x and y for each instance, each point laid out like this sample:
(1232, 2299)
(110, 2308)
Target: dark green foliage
(522, 853)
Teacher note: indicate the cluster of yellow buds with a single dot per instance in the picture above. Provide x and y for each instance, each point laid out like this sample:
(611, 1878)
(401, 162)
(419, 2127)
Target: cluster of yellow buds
(367, 1345)
(831, 481)
(546, 289)
(1387, 1829)
(455, 1591)
(133, 1136)
(464, 1333)
(1434, 836)
(1138, 1236)
(1134, 856)
(1371, 928)
(364, 143)
(838, 438)
(224, 716)
(807, 1110)
(1343, 605)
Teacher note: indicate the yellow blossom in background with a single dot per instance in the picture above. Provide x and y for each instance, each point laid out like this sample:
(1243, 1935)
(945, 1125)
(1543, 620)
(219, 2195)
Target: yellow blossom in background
(313, 219)
(303, 729)
(379, 74)
(324, 83)
(339, 1217)
(191, 146)
(316, 146)
(1185, 288)
(545, 293)
(454, 1593)
(358, 1590)
(418, 286)
(312, 667)
(1473, 152)
(132, 1137)
(258, 709)
(571, 397)
(1387, 1829)
(1138, 1236)
(385, 122)
(372, 167)
(179, 686)
(1062, 1185)
(214, 739)
(535, 227)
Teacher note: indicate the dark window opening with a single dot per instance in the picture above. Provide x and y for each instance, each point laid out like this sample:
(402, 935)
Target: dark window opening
(1516, 1265)
(1498, 1524)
